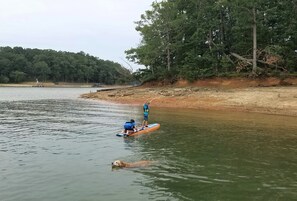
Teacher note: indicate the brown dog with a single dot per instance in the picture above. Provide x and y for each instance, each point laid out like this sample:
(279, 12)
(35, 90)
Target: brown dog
(122, 164)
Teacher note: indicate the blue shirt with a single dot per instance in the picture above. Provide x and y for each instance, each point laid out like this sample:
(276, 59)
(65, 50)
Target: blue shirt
(146, 109)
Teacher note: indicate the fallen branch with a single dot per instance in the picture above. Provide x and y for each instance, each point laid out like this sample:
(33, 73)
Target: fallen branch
(259, 61)
(242, 58)
(273, 65)
(227, 56)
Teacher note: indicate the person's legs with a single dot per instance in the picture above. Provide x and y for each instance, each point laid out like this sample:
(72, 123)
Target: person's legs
(128, 132)
(145, 120)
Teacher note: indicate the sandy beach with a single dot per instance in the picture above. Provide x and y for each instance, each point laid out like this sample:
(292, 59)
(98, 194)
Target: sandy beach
(271, 96)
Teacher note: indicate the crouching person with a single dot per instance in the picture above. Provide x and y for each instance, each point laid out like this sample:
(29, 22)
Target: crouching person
(130, 127)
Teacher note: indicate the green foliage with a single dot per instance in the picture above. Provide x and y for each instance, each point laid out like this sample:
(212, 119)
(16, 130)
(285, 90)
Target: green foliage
(196, 39)
(41, 69)
(144, 75)
(18, 64)
(4, 79)
(17, 76)
(226, 64)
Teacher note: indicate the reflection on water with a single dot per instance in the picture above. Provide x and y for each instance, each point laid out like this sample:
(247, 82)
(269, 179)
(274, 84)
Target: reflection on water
(54, 146)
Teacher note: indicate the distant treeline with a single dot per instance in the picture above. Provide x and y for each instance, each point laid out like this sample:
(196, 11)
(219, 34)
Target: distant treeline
(202, 38)
(18, 64)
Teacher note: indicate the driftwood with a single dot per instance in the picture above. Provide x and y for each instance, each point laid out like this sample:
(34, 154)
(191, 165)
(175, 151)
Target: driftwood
(109, 89)
(128, 94)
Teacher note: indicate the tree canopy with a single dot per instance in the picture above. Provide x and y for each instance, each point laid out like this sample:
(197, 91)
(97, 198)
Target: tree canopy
(19, 64)
(194, 39)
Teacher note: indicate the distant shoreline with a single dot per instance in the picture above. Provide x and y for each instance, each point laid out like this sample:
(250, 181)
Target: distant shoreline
(53, 85)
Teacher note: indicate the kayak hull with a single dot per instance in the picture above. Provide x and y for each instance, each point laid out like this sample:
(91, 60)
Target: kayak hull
(145, 130)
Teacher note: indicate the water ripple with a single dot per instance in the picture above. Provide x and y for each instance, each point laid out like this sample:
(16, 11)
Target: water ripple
(61, 149)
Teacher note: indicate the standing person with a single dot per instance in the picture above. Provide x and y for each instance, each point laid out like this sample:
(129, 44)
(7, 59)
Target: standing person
(146, 110)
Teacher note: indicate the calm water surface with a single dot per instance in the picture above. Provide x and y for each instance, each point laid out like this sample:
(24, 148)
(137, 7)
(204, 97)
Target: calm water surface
(55, 146)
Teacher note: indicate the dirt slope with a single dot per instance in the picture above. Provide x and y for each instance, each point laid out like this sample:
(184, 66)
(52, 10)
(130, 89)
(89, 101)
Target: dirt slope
(270, 96)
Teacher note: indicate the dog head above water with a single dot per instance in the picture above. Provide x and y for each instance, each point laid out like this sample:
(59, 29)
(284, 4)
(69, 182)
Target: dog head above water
(122, 164)
(118, 164)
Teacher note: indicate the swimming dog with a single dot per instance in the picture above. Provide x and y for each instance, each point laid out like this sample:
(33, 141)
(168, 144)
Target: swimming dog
(122, 164)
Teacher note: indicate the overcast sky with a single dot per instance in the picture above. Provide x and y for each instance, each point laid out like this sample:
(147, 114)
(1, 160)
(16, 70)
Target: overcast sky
(102, 28)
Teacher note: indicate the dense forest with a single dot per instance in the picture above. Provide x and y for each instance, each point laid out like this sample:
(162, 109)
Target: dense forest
(193, 39)
(18, 64)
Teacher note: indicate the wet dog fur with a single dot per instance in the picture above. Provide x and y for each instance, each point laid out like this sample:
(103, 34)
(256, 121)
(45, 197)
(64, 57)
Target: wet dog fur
(122, 164)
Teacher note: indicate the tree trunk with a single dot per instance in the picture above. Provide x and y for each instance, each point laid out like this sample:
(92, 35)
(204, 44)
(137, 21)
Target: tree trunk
(168, 59)
(210, 39)
(254, 71)
(168, 53)
(222, 32)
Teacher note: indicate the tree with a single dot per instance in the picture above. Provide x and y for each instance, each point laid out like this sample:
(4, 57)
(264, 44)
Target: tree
(57, 66)
(17, 76)
(193, 39)
(42, 70)
(5, 66)
(4, 79)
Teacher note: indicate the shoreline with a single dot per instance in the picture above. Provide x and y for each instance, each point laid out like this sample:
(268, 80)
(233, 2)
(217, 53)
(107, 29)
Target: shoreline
(60, 85)
(276, 100)
(48, 84)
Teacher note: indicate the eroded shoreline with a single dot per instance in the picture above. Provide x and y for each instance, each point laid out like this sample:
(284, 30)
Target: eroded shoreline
(278, 100)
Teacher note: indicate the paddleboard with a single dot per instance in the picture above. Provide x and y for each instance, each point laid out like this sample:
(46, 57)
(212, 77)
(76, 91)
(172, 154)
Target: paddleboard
(145, 130)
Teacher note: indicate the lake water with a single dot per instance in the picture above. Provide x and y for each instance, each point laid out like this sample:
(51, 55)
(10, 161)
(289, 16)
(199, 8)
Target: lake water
(55, 146)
